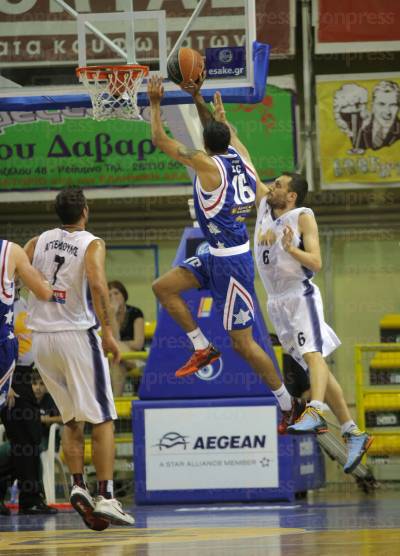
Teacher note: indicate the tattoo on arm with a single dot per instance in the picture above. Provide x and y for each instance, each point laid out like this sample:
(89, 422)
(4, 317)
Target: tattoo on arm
(106, 321)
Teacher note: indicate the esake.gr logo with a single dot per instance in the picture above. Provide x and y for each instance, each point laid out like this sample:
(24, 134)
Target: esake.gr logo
(172, 439)
(225, 55)
(212, 371)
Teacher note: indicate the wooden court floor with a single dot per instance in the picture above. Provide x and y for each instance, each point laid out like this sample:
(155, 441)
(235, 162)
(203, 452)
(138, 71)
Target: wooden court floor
(324, 525)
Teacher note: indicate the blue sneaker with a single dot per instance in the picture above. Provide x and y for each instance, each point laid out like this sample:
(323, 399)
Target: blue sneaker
(358, 443)
(310, 420)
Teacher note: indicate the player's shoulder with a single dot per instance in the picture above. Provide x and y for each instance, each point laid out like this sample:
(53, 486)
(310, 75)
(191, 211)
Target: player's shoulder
(303, 212)
(263, 207)
(306, 220)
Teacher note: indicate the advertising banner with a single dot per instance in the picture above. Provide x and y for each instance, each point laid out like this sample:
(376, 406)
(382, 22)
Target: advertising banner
(212, 447)
(356, 25)
(268, 129)
(41, 32)
(359, 129)
(52, 149)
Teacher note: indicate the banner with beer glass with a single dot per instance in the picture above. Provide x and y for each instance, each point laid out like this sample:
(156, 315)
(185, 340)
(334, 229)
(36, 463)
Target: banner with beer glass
(359, 130)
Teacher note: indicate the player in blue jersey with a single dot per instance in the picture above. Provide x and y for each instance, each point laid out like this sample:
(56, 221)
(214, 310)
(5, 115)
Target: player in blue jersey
(13, 260)
(224, 194)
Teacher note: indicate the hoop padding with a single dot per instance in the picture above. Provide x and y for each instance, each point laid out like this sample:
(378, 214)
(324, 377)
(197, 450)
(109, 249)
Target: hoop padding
(113, 90)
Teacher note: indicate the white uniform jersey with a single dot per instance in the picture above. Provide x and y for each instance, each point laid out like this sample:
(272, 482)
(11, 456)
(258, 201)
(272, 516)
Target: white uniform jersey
(279, 271)
(60, 257)
(294, 303)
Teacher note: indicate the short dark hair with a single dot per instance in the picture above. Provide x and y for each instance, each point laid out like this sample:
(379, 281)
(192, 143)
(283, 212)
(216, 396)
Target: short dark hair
(217, 136)
(299, 185)
(35, 376)
(120, 287)
(69, 205)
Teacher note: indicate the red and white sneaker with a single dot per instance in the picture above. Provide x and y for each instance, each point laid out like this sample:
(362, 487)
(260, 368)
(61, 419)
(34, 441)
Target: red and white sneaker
(111, 509)
(84, 504)
(290, 417)
(199, 359)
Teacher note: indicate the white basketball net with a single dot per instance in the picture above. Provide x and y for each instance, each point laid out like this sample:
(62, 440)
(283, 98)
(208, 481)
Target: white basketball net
(113, 90)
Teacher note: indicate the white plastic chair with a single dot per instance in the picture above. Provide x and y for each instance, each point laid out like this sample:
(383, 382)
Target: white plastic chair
(49, 458)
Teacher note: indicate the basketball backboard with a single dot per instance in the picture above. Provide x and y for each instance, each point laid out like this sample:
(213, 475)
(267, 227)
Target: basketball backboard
(43, 41)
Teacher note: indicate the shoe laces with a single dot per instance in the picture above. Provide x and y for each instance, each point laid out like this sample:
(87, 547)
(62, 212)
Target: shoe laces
(356, 432)
(309, 410)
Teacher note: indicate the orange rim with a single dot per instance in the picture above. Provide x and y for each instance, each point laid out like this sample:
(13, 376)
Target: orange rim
(103, 72)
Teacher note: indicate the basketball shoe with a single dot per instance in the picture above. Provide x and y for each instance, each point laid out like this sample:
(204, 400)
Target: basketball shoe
(310, 420)
(84, 504)
(358, 443)
(111, 510)
(199, 359)
(290, 417)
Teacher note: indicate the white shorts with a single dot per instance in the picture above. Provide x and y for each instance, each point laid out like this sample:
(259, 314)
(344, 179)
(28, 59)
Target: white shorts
(298, 318)
(76, 374)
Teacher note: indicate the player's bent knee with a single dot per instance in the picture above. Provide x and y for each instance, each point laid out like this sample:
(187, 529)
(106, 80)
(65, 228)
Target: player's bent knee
(158, 288)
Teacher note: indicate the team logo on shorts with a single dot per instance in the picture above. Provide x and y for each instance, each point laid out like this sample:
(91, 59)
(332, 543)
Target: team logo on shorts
(211, 372)
(203, 248)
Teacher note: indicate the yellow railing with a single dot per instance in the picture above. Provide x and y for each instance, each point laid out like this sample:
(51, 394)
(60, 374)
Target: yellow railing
(379, 397)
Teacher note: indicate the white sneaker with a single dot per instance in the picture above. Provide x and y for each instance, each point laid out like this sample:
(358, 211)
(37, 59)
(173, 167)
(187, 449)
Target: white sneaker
(111, 509)
(84, 504)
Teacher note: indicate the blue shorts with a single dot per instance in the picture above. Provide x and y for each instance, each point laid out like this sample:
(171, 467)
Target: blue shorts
(231, 283)
(8, 359)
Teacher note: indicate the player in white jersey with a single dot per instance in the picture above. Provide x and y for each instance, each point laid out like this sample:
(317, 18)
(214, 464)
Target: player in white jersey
(70, 354)
(287, 255)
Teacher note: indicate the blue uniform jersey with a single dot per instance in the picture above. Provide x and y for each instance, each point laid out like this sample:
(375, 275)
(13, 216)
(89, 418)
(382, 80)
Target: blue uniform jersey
(8, 342)
(226, 269)
(221, 213)
(6, 295)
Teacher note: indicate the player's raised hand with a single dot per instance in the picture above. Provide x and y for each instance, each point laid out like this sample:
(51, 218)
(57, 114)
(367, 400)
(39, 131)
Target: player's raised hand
(155, 88)
(193, 87)
(287, 238)
(219, 109)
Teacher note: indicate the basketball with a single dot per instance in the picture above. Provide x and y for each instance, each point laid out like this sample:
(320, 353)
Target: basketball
(184, 65)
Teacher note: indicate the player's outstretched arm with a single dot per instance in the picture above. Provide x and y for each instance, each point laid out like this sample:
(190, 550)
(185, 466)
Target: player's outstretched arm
(196, 159)
(30, 276)
(96, 275)
(220, 116)
(193, 88)
(159, 137)
(311, 256)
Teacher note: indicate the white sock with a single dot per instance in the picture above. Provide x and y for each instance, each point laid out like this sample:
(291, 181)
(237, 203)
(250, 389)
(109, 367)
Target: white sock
(317, 405)
(198, 339)
(283, 397)
(348, 426)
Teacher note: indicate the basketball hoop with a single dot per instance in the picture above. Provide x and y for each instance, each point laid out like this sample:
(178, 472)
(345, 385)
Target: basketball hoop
(113, 90)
